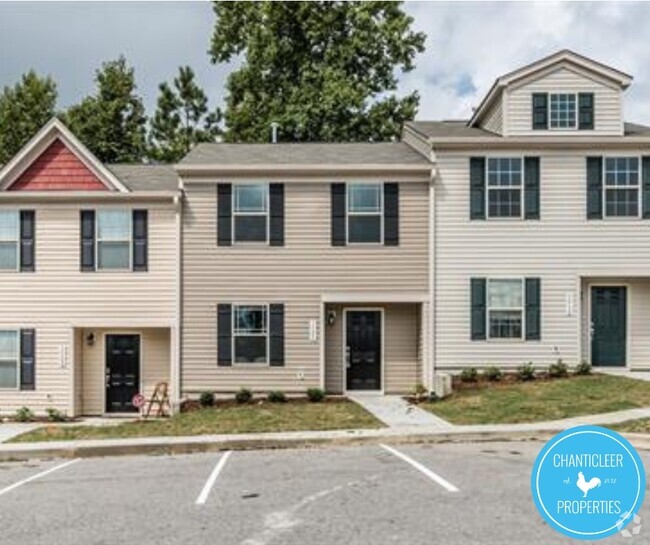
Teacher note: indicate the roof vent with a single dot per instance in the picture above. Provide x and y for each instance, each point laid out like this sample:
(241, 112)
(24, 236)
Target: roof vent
(274, 132)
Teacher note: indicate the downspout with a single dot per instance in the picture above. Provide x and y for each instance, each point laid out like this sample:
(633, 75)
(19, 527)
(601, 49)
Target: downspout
(432, 266)
(176, 371)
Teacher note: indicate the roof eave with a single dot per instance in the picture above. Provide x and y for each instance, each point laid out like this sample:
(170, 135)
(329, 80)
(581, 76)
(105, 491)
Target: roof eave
(208, 169)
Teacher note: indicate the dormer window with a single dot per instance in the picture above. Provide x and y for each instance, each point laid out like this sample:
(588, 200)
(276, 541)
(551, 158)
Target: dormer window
(562, 111)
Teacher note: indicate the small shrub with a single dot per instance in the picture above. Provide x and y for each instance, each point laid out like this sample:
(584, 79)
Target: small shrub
(276, 396)
(315, 395)
(24, 414)
(206, 399)
(55, 415)
(419, 392)
(433, 397)
(469, 375)
(493, 373)
(558, 369)
(526, 371)
(244, 395)
(583, 368)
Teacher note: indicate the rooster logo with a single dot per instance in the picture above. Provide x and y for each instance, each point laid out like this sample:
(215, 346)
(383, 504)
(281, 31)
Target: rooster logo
(585, 485)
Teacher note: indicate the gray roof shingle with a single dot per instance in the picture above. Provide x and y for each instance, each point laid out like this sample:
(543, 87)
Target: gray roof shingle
(146, 177)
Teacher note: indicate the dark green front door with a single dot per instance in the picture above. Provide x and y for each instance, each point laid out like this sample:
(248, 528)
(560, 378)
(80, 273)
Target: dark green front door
(608, 325)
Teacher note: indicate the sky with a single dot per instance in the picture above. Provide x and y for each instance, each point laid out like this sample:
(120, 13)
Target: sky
(469, 44)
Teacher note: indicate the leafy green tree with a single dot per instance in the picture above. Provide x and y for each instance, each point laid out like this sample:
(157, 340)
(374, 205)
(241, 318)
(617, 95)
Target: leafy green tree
(24, 109)
(182, 118)
(321, 70)
(112, 122)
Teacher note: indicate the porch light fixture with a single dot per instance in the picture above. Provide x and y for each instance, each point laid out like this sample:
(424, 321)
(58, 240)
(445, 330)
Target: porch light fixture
(90, 339)
(331, 317)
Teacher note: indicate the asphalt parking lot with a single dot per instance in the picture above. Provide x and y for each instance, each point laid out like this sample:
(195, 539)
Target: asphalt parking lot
(407, 494)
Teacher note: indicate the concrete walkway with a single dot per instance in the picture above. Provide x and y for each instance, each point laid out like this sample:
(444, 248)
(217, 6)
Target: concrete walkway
(623, 372)
(14, 429)
(396, 412)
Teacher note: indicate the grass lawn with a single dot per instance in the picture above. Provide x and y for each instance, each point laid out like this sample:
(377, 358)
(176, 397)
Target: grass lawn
(268, 417)
(542, 400)
(633, 426)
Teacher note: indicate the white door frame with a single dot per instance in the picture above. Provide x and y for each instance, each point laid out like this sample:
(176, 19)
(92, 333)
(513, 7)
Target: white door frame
(344, 336)
(105, 335)
(628, 310)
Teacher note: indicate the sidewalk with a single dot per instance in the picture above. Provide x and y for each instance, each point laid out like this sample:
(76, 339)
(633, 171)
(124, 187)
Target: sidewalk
(396, 412)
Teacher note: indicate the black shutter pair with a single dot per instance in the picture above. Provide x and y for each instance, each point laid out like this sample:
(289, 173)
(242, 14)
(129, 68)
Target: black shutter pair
(339, 214)
(533, 309)
(224, 335)
(478, 188)
(585, 111)
(224, 215)
(140, 236)
(27, 359)
(27, 241)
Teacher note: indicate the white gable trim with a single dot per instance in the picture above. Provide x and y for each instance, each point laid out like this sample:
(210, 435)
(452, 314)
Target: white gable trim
(53, 130)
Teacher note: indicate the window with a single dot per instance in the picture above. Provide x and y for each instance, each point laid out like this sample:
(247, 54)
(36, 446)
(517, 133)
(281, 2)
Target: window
(9, 355)
(250, 212)
(365, 213)
(504, 176)
(114, 239)
(621, 186)
(505, 309)
(9, 240)
(562, 111)
(250, 333)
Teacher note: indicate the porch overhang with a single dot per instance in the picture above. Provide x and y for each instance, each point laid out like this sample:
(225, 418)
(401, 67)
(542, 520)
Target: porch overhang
(375, 297)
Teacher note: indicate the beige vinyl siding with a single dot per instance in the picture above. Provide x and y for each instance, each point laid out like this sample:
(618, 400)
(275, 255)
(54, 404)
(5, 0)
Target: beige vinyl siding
(560, 248)
(607, 100)
(58, 297)
(416, 141)
(493, 120)
(297, 274)
(401, 359)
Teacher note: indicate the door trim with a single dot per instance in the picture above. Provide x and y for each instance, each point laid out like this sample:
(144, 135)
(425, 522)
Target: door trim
(344, 337)
(628, 289)
(105, 334)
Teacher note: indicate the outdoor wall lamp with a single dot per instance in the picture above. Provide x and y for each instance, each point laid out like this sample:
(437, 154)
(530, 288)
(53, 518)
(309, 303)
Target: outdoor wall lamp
(90, 339)
(331, 317)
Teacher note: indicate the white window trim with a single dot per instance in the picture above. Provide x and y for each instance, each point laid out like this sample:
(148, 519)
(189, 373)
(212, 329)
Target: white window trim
(577, 112)
(18, 366)
(521, 189)
(489, 309)
(98, 240)
(233, 335)
(638, 187)
(348, 213)
(15, 241)
(235, 213)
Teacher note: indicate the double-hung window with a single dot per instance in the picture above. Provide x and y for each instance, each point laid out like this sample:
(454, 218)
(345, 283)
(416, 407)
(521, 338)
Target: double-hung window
(250, 333)
(563, 111)
(9, 240)
(114, 236)
(9, 358)
(505, 307)
(251, 212)
(504, 187)
(621, 186)
(365, 213)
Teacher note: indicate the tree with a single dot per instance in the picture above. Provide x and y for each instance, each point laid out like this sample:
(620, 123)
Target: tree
(24, 109)
(112, 122)
(321, 70)
(182, 118)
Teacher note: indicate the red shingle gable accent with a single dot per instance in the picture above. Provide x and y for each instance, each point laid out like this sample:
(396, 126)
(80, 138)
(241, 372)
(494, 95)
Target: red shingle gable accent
(57, 169)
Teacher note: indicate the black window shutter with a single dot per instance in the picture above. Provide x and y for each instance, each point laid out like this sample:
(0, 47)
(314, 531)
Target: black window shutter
(276, 335)
(531, 188)
(594, 188)
(27, 237)
(276, 207)
(338, 215)
(540, 111)
(224, 335)
(140, 240)
(224, 214)
(391, 214)
(586, 111)
(477, 188)
(87, 240)
(645, 186)
(27, 359)
(478, 309)
(533, 309)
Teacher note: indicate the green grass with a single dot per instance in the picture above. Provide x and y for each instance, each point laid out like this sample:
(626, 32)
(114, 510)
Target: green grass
(267, 417)
(642, 425)
(542, 400)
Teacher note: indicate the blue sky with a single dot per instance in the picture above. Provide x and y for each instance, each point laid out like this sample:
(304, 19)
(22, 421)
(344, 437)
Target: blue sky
(469, 44)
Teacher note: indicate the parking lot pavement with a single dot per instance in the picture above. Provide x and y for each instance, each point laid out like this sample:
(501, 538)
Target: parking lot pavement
(413, 494)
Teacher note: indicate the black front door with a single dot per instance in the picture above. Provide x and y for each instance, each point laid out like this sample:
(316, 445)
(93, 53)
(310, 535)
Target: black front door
(122, 372)
(608, 325)
(363, 350)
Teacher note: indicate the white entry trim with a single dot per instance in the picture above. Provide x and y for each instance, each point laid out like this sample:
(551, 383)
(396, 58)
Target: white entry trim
(344, 336)
(105, 335)
(628, 321)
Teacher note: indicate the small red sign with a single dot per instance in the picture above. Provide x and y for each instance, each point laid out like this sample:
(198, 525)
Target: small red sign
(138, 401)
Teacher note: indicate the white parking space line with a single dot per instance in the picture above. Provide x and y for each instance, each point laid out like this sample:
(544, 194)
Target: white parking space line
(38, 476)
(422, 469)
(203, 496)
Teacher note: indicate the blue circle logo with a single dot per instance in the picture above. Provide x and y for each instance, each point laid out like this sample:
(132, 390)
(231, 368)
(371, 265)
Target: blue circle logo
(588, 482)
